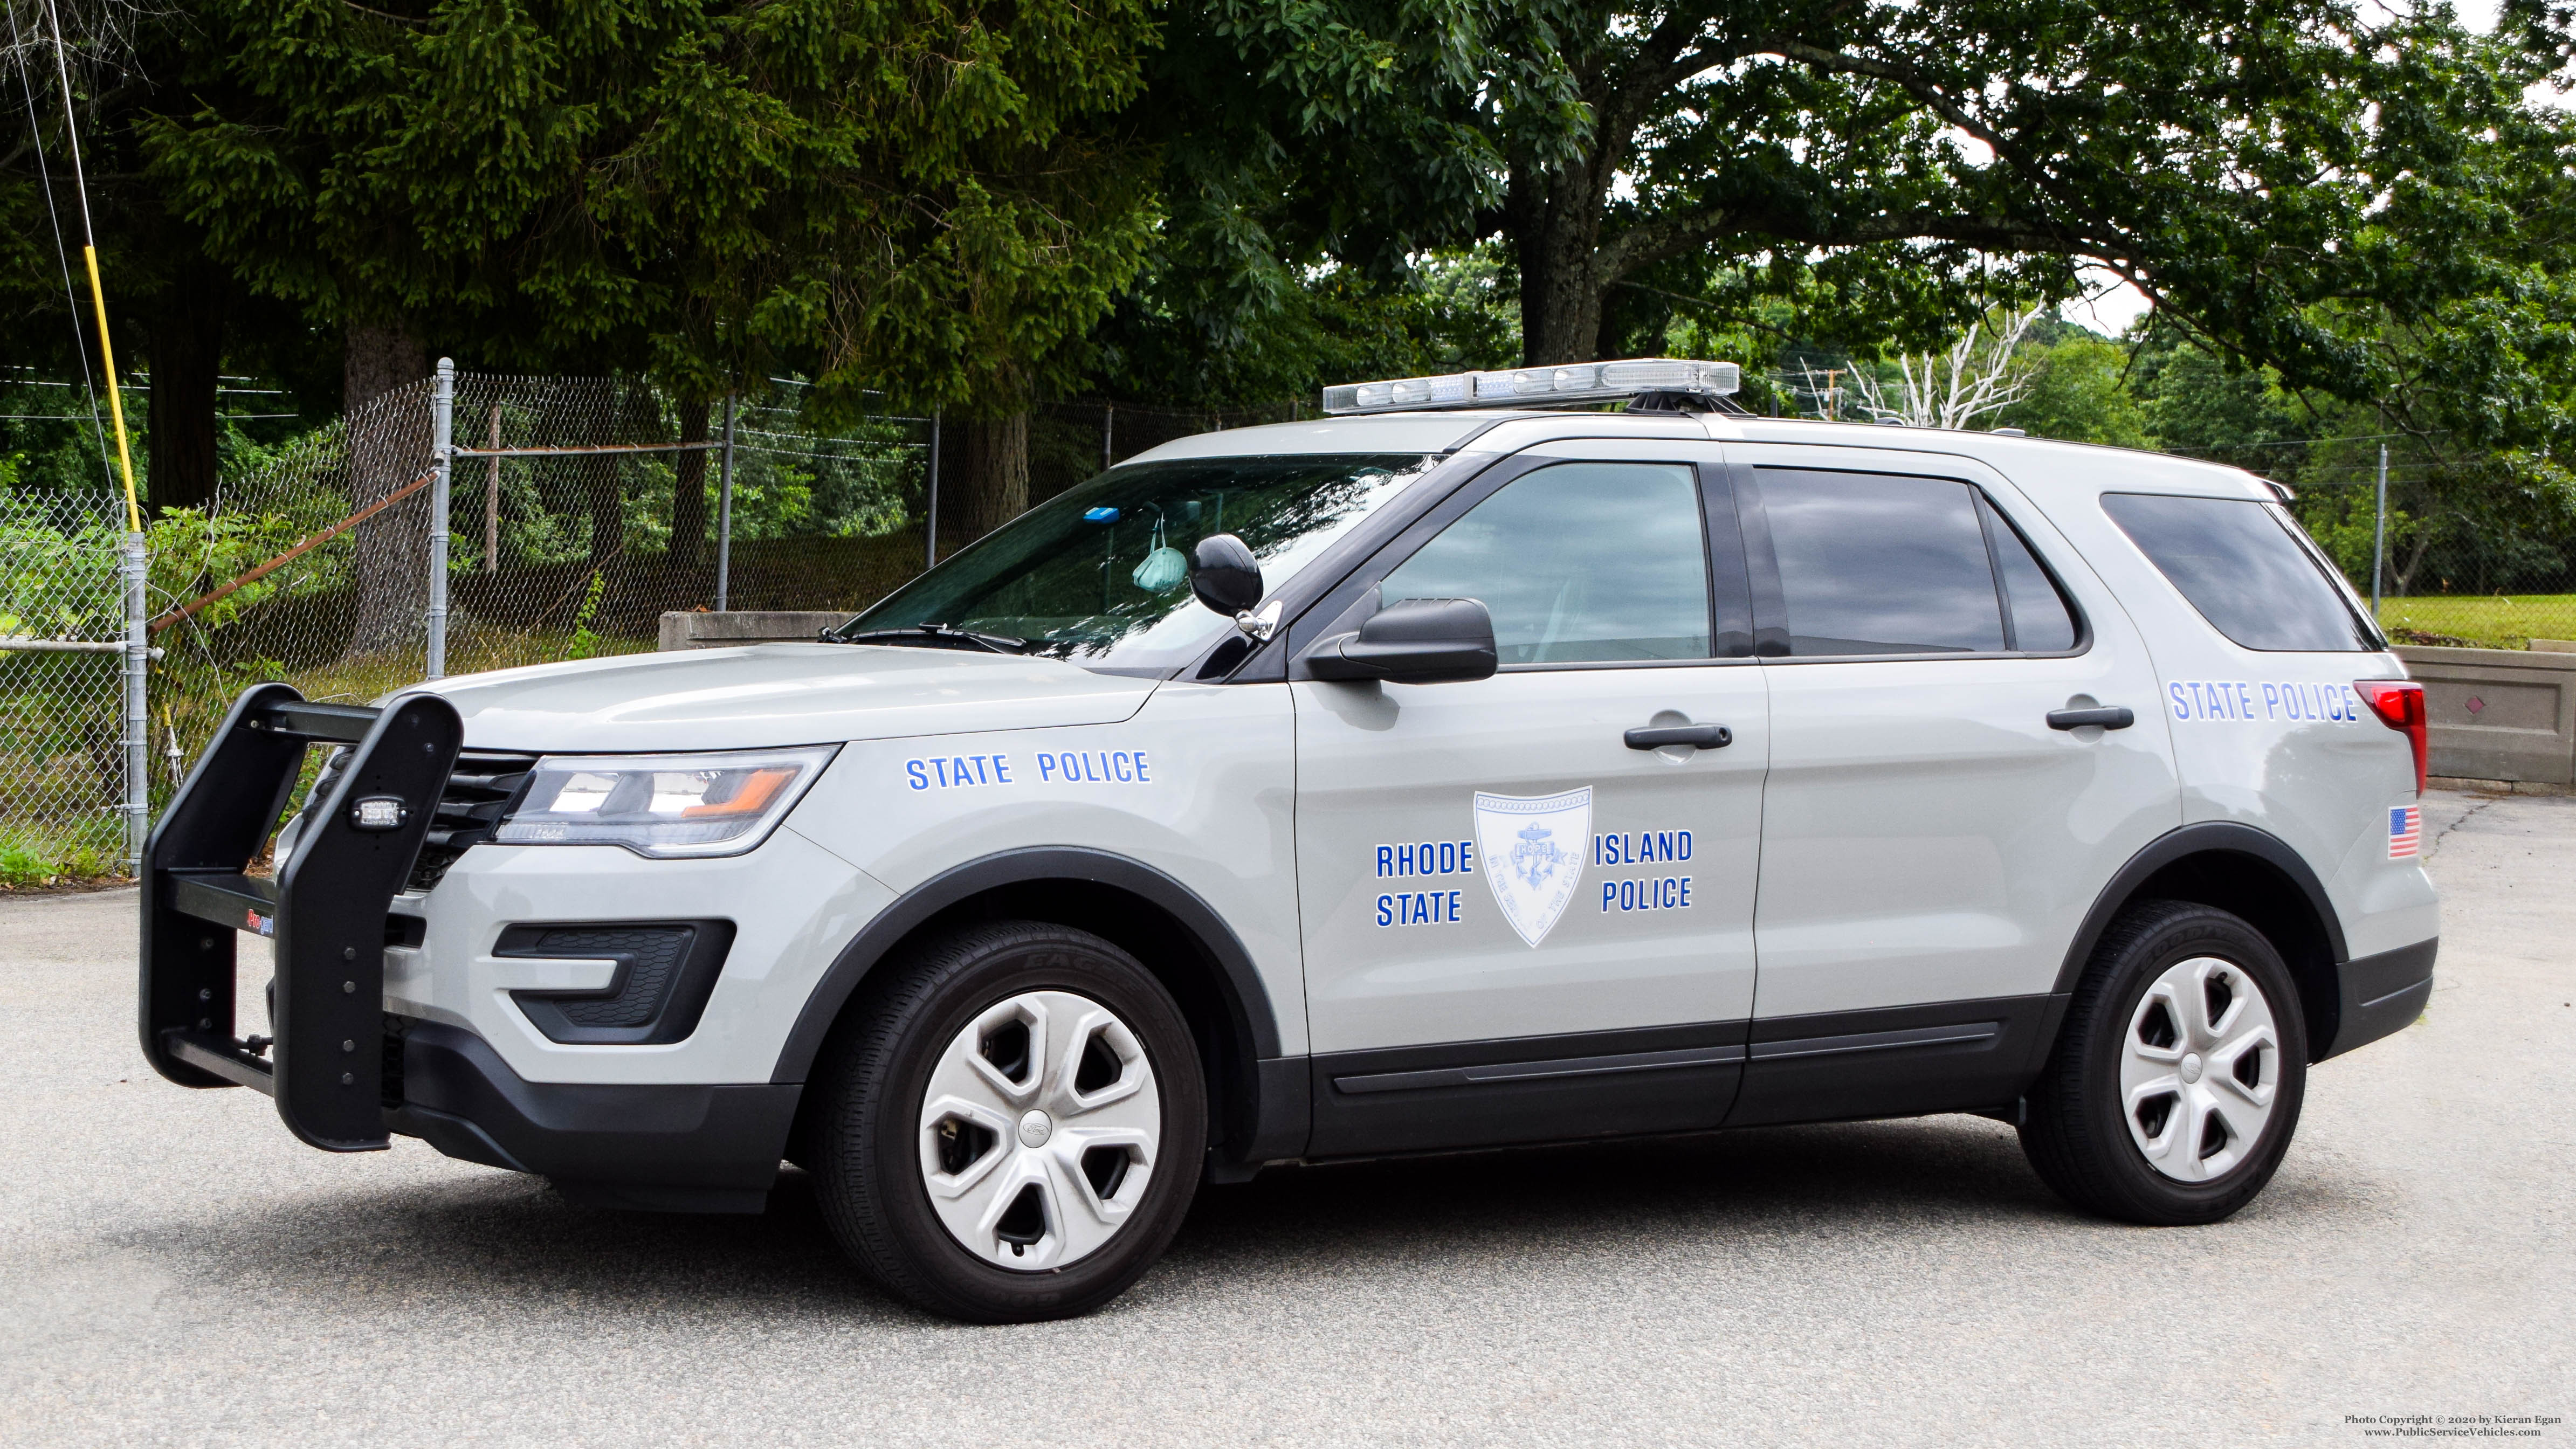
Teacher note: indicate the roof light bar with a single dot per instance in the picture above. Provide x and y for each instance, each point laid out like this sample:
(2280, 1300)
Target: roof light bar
(1576, 382)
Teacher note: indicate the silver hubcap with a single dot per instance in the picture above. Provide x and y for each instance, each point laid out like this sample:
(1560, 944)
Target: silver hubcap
(2200, 1069)
(1039, 1130)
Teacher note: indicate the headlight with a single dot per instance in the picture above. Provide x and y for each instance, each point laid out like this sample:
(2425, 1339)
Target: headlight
(663, 806)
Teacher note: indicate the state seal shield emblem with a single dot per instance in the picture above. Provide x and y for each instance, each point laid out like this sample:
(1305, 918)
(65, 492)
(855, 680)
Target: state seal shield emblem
(1534, 849)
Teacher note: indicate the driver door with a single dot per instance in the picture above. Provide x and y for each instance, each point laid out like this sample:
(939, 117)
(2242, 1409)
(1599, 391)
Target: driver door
(1517, 927)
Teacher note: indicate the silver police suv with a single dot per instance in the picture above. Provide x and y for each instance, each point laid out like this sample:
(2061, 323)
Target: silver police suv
(1457, 771)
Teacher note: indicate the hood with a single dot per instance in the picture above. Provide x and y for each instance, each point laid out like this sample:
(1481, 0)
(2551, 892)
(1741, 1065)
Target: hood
(776, 694)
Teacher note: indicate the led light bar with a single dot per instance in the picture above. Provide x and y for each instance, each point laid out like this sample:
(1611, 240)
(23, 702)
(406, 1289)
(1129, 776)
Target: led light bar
(1576, 382)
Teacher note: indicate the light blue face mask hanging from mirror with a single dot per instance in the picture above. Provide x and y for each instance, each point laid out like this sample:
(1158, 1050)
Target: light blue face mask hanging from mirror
(1164, 568)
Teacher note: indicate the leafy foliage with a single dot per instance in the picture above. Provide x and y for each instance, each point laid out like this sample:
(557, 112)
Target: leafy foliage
(914, 196)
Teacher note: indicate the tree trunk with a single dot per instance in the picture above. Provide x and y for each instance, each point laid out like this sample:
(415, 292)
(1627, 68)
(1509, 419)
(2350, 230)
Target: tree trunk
(984, 480)
(1555, 226)
(186, 351)
(689, 490)
(388, 447)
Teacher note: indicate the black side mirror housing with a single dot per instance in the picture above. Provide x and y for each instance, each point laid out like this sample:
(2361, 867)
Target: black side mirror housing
(1224, 575)
(1412, 641)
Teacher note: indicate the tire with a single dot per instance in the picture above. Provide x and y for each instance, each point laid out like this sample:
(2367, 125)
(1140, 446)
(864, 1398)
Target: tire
(2169, 1098)
(927, 1163)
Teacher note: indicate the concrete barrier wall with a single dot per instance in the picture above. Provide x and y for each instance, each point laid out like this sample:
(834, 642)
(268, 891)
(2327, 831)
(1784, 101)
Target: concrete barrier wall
(2499, 714)
(701, 630)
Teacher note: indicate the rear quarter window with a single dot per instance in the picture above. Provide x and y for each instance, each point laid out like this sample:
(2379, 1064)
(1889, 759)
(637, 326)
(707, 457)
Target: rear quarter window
(2242, 565)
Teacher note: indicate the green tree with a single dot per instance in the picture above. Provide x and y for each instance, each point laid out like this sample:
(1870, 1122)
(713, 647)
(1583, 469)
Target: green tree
(921, 197)
(1895, 170)
(2077, 389)
(2199, 405)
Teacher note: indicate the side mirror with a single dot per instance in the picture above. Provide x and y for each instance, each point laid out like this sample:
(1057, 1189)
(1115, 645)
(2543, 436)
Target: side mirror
(1412, 641)
(1224, 575)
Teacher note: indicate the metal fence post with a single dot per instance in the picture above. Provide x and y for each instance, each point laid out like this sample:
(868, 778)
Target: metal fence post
(1108, 426)
(442, 443)
(492, 499)
(724, 512)
(930, 529)
(2379, 535)
(136, 566)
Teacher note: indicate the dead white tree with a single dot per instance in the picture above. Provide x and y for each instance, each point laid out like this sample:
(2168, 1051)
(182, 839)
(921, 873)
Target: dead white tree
(1979, 374)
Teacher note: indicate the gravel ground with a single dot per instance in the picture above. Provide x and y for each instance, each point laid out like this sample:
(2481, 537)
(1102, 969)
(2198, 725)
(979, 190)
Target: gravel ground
(173, 1268)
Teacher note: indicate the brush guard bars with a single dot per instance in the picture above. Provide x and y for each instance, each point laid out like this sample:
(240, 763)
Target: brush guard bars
(325, 908)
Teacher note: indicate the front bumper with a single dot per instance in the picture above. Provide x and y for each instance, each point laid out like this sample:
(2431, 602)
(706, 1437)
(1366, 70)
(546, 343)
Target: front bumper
(388, 1021)
(663, 1147)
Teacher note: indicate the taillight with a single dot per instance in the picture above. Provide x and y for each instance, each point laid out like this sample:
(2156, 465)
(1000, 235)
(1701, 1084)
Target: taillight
(2399, 703)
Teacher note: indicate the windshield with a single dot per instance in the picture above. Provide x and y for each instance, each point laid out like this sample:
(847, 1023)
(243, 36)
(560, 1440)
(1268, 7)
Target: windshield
(1099, 574)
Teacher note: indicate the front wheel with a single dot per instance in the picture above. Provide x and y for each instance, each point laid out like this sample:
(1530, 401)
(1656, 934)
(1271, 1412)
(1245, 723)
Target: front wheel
(1013, 1125)
(2176, 1080)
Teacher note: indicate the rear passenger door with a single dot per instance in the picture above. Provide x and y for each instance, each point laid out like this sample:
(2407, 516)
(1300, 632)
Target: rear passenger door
(1930, 842)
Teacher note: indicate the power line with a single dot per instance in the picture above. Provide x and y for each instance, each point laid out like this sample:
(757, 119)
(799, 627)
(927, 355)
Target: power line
(89, 256)
(62, 254)
(2329, 442)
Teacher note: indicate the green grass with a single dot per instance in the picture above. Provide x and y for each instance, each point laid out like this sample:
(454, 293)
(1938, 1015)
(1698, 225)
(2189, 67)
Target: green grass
(44, 853)
(2500, 621)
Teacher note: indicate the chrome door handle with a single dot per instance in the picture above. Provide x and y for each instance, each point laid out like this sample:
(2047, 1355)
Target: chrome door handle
(2109, 717)
(1706, 737)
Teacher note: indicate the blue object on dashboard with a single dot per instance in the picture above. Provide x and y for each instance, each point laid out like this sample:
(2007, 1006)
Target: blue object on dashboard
(1101, 515)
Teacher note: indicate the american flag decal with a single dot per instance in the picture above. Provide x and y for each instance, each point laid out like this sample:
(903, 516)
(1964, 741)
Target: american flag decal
(2405, 832)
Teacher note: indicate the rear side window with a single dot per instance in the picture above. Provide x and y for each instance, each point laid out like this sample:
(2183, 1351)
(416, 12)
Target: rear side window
(1874, 563)
(1577, 563)
(2240, 565)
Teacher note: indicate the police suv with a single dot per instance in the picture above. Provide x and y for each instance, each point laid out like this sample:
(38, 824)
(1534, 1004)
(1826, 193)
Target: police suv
(1457, 771)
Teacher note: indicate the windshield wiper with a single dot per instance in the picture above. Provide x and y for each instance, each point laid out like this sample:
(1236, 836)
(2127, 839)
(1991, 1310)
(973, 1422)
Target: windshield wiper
(937, 636)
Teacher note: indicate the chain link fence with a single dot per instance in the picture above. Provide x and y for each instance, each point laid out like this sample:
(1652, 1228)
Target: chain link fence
(62, 627)
(1071, 441)
(579, 510)
(2461, 562)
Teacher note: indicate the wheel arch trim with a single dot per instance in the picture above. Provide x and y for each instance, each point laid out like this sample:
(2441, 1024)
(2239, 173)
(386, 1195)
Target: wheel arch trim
(2216, 838)
(1255, 1019)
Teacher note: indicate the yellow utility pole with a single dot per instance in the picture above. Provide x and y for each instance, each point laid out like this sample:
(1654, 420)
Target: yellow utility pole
(115, 399)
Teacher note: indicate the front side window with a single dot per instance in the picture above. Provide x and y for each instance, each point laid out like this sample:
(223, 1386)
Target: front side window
(1577, 563)
(2243, 568)
(1099, 574)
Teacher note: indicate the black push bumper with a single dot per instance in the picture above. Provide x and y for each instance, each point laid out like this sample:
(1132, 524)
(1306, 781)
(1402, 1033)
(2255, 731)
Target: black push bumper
(325, 908)
(345, 1075)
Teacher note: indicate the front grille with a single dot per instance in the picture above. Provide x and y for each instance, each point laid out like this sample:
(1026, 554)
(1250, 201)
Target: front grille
(480, 790)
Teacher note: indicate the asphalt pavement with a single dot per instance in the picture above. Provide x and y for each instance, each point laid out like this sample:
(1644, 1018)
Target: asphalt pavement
(175, 1269)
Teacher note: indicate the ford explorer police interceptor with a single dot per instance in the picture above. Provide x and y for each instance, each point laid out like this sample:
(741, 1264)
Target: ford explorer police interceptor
(1452, 772)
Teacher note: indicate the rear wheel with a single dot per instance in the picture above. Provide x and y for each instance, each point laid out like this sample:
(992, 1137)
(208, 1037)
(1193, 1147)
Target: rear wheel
(1012, 1127)
(2176, 1081)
